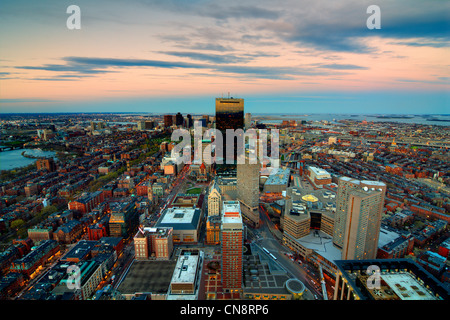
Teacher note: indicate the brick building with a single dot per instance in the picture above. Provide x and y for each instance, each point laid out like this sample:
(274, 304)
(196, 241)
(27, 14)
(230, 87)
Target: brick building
(87, 202)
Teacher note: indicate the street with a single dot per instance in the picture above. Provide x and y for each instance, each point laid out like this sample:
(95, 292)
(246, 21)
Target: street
(264, 237)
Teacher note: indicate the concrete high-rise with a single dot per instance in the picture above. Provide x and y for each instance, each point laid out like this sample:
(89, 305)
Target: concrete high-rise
(359, 206)
(248, 190)
(232, 241)
(361, 232)
(247, 121)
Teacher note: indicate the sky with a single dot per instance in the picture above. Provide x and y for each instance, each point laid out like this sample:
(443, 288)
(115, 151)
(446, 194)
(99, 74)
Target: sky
(293, 56)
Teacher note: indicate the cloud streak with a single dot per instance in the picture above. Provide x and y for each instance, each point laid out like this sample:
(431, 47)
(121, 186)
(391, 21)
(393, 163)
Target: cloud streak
(89, 66)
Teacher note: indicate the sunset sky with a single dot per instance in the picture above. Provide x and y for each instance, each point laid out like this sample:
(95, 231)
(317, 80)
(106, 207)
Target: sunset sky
(295, 56)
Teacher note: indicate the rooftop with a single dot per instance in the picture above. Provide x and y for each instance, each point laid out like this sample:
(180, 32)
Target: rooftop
(186, 268)
(231, 212)
(310, 197)
(321, 243)
(400, 279)
(118, 207)
(388, 237)
(319, 171)
(80, 251)
(374, 183)
(180, 218)
(148, 276)
(278, 176)
(231, 206)
(406, 286)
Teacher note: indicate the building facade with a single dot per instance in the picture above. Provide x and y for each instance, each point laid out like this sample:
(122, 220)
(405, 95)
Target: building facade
(232, 246)
(124, 218)
(248, 190)
(213, 224)
(214, 200)
(359, 205)
(156, 243)
(362, 227)
(229, 115)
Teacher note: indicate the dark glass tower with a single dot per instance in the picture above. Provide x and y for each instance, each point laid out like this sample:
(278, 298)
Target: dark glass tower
(229, 115)
(179, 119)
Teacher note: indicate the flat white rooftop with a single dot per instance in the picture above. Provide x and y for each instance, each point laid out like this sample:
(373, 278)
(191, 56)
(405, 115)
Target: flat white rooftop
(185, 269)
(319, 171)
(406, 286)
(178, 215)
(231, 207)
(228, 220)
(278, 176)
(386, 237)
(374, 183)
(353, 180)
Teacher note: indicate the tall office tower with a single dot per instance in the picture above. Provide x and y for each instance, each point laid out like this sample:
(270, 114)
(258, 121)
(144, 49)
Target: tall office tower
(361, 232)
(189, 121)
(214, 200)
(141, 125)
(206, 117)
(179, 120)
(168, 120)
(345, 185)
(229, 115)
(247, 121)
(248, 190)
(231, 242)
(359, 206)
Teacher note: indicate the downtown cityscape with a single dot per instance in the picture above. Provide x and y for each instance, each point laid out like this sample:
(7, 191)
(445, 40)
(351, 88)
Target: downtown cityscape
(104, 192)
(229, 158)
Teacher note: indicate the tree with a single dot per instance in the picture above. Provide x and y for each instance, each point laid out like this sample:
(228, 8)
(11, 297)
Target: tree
(49, 210)
(16, 224)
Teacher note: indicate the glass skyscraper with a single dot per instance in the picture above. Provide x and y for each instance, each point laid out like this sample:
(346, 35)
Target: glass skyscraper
(229, 115)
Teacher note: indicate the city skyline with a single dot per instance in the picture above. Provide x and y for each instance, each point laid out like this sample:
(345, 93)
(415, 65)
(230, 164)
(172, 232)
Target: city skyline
(151, 56)
(105, 212)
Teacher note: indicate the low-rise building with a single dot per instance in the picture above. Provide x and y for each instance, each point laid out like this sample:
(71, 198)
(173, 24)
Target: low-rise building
(124, 218)
(186, 276)
(84, 286)
(29, 263)
(277, 181)
(153, 243)
(318, 176)
(87, 202)
(69, 232)
(184, 221)
(39, 234)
